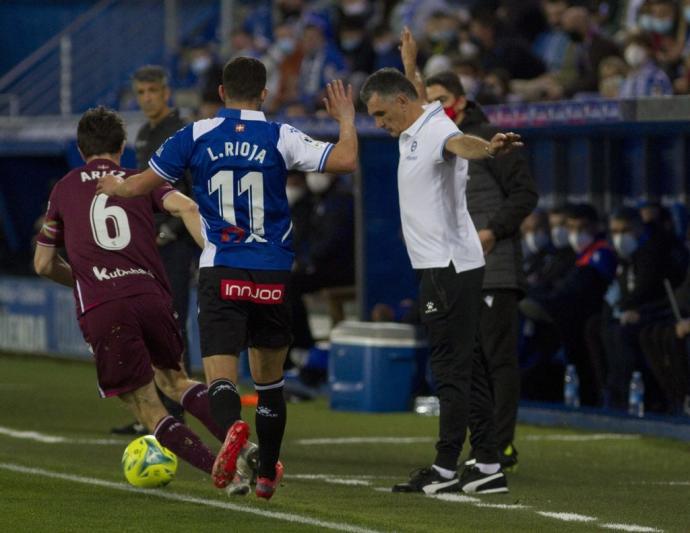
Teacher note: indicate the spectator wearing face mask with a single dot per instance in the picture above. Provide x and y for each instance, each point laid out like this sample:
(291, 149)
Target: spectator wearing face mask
(646, 258)
(580, 294)
(538, 251)
(326, 249)
(548, 258)
(645, 77)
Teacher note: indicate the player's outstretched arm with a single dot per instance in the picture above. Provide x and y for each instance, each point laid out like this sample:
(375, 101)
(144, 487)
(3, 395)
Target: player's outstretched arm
(338, 101)
(471, 147)
(49, 264)
(181, 206)
(136, 185)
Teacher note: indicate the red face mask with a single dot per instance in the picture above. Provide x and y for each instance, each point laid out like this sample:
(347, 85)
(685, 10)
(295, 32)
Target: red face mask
(450, 110)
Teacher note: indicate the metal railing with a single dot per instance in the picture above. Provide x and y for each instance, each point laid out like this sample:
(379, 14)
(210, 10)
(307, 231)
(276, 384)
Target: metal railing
(90, 61)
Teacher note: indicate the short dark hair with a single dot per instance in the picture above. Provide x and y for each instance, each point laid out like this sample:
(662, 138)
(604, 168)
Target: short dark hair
(449, 80)
(387, 82)
(151, 74)
(244, 78)
(100, 131)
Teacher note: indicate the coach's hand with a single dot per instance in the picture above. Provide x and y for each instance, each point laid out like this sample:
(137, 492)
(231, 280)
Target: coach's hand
(408, 48)
(502, 143)
(338, 101)
(108, 184)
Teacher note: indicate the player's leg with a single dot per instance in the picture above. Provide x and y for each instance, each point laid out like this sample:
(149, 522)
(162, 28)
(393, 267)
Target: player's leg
(270, 335)
(177, 437)
(191, 394)
(271, 413)
(223, 331)
(116, 331)
(165, 344)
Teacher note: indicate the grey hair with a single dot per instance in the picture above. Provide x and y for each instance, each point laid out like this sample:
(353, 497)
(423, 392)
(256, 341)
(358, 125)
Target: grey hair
(151, 74)
(387, 82)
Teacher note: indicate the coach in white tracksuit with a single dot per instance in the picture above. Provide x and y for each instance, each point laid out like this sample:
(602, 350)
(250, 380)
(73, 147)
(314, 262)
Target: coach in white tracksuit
(445, 250)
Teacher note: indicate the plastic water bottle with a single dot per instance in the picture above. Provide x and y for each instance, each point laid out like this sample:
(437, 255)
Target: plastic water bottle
(636, 395)
(571, 387)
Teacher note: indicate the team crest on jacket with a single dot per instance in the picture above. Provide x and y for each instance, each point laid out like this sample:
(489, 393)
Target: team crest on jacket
(239, 128)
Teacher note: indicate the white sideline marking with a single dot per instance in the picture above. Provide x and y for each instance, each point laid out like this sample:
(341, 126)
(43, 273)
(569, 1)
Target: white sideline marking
(286, 517)
(455, 498)
(630, 527)
(365, 440)
(582, 438)
(665, 483)
(334, 480)
(353, 482)
(55, 439)
(568, 517)
(507, 506)
(341, 476)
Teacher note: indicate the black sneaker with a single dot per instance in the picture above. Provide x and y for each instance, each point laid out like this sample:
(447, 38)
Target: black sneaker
(428, 481)
(509, 459)
(135, 428)
(474, 481)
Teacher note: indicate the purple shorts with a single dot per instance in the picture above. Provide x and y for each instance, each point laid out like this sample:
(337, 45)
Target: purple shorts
(128, 336)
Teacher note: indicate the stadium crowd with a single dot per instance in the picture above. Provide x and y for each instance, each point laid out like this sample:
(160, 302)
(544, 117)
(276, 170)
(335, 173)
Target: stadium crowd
(503, 51)
(600, 297)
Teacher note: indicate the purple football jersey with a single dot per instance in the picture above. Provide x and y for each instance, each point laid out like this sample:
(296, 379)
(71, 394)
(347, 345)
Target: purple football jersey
(110, 242)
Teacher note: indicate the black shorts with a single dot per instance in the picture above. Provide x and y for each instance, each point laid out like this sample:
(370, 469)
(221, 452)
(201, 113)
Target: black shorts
(240, 308)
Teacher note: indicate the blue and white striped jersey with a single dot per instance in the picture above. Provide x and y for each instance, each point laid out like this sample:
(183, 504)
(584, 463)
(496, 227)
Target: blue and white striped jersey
(239, 163)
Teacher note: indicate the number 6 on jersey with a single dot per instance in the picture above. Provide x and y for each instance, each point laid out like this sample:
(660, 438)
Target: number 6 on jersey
(99, 216)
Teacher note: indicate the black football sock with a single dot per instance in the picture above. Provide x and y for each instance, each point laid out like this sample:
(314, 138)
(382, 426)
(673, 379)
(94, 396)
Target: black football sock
(225, 403)
(271, 415)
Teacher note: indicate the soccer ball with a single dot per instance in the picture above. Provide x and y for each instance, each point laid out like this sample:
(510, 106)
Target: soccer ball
(147, 464)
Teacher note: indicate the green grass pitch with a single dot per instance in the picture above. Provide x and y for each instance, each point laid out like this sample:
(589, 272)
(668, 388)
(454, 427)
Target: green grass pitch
(567, 480)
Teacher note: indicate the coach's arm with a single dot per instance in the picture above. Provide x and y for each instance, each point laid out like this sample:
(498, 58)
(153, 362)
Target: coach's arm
(471, 147)
(49, 264)
(181, 206)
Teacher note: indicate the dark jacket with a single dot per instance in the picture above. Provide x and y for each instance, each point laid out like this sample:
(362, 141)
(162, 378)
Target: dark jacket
(582, 291)
(148, 141)
(642, 278)
(500, 194)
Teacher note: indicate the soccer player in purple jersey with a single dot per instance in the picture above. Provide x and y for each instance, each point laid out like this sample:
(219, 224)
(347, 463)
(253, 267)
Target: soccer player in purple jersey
(239, 163)
(124, 306)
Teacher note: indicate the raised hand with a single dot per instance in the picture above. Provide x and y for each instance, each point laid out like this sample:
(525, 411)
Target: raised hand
(408, 47)
(502, 143)
(338, 101)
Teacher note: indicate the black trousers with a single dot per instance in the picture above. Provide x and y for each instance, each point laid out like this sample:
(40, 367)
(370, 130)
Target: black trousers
(450, 304)
(498, 342)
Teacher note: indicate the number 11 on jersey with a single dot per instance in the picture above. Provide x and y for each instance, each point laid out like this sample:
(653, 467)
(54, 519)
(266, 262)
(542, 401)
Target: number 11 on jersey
(252, 183)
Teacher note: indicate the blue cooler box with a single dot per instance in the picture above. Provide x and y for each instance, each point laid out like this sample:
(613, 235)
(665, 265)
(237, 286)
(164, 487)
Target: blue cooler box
(374, 366)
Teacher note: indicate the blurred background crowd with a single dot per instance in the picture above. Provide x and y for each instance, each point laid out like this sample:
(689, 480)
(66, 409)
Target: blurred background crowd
(503, 51)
